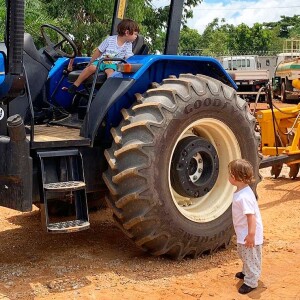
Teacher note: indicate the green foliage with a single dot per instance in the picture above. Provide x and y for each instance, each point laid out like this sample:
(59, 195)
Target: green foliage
(189, 39)
(286, 25)
(89, 22)
(2, 18)
(218, 44)
(217, 38)
(295, 31)
(220, 38)
(35, 16)
(242, 38)
(155, 22)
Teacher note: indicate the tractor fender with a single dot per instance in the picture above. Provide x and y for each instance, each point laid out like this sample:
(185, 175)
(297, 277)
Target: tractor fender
(119, 92)
(176, 64)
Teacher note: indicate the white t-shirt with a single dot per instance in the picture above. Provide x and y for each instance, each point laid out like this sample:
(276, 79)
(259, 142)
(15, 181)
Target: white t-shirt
(244, 202)
(109, 48)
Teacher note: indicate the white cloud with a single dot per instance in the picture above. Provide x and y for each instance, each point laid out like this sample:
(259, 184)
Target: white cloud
(237, 12)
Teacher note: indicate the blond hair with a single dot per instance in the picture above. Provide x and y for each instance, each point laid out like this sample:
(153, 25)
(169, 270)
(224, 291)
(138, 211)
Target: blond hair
(241, 170)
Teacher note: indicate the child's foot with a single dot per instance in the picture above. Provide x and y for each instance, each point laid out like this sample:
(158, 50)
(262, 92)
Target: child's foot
(245, 289)
(72, 89)
(240, 275)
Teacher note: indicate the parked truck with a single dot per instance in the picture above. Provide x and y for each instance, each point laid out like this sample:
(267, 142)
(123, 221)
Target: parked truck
(247, 73)
(155, 140)
(286, 83)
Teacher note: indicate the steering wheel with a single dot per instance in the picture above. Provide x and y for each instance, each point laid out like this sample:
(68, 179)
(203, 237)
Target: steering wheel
(55, 50)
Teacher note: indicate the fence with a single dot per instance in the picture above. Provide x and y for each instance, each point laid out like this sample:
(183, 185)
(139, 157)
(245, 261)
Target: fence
(206, 52)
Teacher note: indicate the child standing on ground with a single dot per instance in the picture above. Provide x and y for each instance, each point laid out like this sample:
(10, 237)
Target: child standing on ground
(115, 46)
(247, 224)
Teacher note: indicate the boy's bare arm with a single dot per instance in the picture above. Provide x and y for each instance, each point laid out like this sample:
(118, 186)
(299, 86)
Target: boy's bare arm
(95, 55)
(250, 238)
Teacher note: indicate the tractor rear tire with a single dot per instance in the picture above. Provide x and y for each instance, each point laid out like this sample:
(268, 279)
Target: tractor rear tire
(168, 176)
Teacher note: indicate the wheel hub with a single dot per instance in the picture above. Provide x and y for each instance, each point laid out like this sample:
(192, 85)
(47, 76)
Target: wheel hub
(195, 167)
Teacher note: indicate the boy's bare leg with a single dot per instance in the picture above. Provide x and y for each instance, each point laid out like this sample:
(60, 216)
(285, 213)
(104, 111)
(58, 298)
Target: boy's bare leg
(87, 72)
(109, 72)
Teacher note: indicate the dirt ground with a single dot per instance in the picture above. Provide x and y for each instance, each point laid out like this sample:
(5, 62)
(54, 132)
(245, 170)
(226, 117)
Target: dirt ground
(101, 263)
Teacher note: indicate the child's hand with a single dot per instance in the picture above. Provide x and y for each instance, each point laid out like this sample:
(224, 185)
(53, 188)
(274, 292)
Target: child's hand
(249, 241)
(70, 65)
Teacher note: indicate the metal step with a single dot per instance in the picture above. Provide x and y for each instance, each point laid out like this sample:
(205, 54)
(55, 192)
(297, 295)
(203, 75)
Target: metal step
(64, 186)
(68, 226)
(65, 168)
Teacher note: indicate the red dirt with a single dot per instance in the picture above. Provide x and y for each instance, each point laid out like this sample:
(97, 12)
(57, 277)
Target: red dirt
(101, 263)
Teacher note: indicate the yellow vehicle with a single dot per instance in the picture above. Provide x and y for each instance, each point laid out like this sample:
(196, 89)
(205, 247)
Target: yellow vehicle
(280, 138)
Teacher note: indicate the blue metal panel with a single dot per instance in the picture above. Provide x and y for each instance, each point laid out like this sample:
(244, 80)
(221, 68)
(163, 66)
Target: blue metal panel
(57, 80)
(5, 80)
(2, 68)
(177, 64)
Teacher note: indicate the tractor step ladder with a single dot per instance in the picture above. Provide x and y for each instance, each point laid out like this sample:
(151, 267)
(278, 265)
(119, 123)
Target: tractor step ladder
(62, 177)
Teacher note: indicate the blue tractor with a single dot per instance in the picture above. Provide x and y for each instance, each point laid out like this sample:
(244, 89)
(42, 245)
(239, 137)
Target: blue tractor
(154, 141)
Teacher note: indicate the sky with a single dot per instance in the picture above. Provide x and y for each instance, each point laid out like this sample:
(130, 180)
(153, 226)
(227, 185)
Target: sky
(240, 11)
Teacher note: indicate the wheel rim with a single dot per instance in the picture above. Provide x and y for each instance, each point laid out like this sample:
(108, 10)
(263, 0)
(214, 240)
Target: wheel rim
(195, 167)
(217, 200)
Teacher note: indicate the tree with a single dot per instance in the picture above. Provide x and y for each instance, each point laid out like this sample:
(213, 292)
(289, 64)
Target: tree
(189, 39)
(276, 43)
(155, 22)
(90, 20)
(261, 38)
(208, 32)
(286, 25)
(35, 16)
(87, 20)
(2, 18)
(218, 44)
(241, 40)
(295, 31)
(216, 37)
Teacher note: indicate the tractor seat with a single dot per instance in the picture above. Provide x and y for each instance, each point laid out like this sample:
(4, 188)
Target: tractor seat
(138, 48)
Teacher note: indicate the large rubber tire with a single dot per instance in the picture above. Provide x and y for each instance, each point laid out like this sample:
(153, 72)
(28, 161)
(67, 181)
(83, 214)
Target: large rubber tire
(142, 192)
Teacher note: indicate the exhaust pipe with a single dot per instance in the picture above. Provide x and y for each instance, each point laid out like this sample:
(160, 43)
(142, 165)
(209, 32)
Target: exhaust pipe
(13, 84)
